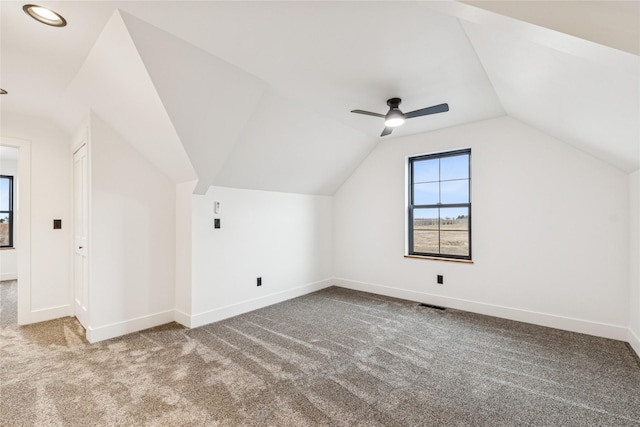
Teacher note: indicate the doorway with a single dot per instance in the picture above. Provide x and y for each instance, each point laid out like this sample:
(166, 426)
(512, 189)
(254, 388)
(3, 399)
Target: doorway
(8, 236)
(15, 158)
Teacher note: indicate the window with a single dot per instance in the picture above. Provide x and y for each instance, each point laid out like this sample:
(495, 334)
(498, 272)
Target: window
(6, 211)
(440, 205)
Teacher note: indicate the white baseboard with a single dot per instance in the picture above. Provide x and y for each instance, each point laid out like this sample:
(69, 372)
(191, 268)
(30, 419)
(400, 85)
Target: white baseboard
(225, 312)
(113, 330)
(8, 276)
(45, 314)
(543, 319)
(181, 317)
(634, 341)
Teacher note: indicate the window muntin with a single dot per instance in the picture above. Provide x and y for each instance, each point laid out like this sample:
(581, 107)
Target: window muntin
(440, 205)
(6, 211)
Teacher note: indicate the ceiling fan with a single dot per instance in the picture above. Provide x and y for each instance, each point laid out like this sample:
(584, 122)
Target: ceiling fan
(395, 117)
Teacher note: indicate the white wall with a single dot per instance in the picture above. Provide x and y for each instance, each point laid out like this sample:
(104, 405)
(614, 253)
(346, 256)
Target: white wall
(50, 199)
(284, 238)
(550, 230)
(132, 238)
(9, 257)
(184, 243)
(634, 261)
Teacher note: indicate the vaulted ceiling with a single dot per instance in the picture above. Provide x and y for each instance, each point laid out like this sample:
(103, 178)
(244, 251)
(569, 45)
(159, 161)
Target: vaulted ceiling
(258, 94)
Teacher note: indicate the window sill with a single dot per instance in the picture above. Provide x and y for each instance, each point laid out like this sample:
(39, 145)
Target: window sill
(7, 248)
(435, 258)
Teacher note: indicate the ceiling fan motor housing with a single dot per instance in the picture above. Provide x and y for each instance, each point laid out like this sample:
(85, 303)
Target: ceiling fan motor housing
(394, 102)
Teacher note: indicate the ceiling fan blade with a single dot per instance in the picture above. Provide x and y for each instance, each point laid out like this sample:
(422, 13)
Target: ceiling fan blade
(368, 113)
(387, 131)
(426, 111)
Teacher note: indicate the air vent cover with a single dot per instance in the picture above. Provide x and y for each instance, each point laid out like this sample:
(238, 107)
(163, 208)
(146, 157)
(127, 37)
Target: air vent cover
(437, 307)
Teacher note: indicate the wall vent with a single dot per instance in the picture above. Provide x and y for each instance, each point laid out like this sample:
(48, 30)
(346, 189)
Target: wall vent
(437, 307)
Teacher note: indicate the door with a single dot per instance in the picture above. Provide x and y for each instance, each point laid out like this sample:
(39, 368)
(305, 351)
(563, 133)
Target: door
(80, 233)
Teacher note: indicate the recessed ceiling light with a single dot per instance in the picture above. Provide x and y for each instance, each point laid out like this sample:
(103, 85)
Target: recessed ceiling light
(3, 92)
(44, 15)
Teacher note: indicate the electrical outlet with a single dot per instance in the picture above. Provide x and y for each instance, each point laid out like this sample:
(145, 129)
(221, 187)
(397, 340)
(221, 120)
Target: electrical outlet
(440, 279)
(259, 281)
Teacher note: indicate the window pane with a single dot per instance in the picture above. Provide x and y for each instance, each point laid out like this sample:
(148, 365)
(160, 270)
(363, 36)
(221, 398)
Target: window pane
(5, 185)
(454, 167)
(454, 191)
(426, 194)
(454, 231)
(426, 218)
(425, 230)
(4, 229)
(454, 242)
(454, 219)
(426, 170)
(426, 241)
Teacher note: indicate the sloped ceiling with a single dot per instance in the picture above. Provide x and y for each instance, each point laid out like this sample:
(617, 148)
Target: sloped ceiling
(574, 98)
(337, 56)
(208, 100)
(609, 23)
(114, 83)
(313, 154)
(584, 93)
(258, 94)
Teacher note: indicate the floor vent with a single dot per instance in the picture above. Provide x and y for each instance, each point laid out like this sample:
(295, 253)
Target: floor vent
(437, 307)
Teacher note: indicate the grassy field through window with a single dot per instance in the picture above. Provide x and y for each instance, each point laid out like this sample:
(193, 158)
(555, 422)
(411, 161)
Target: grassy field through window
(4, 231)
(450, 238)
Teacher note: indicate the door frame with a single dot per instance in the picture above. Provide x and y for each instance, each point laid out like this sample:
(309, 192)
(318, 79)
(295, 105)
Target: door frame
(24, 226)
(83, 318)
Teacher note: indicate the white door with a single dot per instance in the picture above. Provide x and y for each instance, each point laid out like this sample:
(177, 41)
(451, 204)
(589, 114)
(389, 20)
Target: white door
(80, 232)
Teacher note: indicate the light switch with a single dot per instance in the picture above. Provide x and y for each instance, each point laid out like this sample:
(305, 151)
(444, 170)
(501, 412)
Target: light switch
(216, 207)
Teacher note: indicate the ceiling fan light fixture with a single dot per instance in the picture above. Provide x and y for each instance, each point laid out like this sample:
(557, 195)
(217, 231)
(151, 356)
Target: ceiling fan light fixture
(394, 118)
(44, 15)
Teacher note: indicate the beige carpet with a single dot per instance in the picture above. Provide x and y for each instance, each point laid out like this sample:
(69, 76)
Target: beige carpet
(335, 357)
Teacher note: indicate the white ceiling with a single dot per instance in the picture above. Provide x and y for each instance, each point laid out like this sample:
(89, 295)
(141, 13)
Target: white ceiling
(589, 104)
(257, 94)
(611, 23)
(114, 83)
